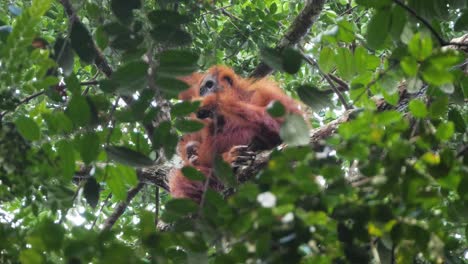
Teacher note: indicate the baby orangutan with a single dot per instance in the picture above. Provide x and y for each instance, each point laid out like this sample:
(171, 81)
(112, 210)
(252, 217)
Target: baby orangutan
(234, 111)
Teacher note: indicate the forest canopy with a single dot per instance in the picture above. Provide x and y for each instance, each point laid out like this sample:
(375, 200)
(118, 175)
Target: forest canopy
(90, 120)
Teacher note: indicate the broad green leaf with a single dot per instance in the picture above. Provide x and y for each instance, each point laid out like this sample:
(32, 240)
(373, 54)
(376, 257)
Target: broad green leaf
(418, 108)
(170, 35)
(193, 174)
(420, 46)
(326, 60)
(374, 3)
(314, 98)
(123, 9)
(184, 108)
(89, 147)
(164, 138)
(128, 157)
(272, 58)
(294, 131)
(171, 87)
(66, 154)
(78, 110)
(163, 17)
(82, 42)
(378, 28)
(292, 60)
(177, 63)
(28, 128)
(30, 256)
(179, 208)
(130, 77)
(345, 63)
(445, 131)
(438, 107)
(414, 85)
(409, 66)
(64, 55)
(456, 117)
(91, 192)
(116, 183)
(188, 126)
(398, 22)
(276, 109)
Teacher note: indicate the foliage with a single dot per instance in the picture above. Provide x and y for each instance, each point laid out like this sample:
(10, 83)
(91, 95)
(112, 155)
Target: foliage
(389, 187)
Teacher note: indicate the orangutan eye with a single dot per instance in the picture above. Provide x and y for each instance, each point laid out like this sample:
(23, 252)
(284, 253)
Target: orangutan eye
(228, 80)
(209, 84)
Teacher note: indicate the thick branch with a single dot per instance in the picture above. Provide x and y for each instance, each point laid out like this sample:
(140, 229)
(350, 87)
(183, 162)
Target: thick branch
(298, 29)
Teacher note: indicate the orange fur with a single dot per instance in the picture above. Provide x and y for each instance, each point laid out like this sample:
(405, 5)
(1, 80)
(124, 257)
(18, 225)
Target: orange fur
(238, 117)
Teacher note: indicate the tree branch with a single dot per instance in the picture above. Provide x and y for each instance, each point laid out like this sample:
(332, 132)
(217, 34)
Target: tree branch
(122, 206)
(298, 29)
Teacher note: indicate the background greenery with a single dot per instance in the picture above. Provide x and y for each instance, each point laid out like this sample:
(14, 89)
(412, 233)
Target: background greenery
(83, 121)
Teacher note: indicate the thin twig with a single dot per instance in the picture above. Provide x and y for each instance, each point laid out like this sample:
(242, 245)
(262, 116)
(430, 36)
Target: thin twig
(439, 38)
(335, 89)
(100, 210)
(24, 101)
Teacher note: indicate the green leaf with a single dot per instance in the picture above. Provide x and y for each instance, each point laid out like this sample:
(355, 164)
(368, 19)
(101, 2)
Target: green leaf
(184, 108)
(414, 85)
(116, 183)
(177, 63)
(89, 147)
(193, 174)
(82, 42)
(410, 66)
(272, 58)
(64, 55)
(445, 131)
(30, 256)
(276, 109)
(170, 35)
(457, 118)
(418, 108)
(295, 131)
(374, 3)
(128, 157)
(420, 46)
(179, 208)
(224, 172)
(164, 138)
(78, 110)
(398, 22)
(438, 107)
(326, 60)
(164, 17)
(171, 87)
(28, 128)
(378, 28)
(66, 154)
(292, 60)
(130, 77)
(345, 63)
(188, 126)
(462, 22)
(314, 98)
(123, 9)
(91, 192)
